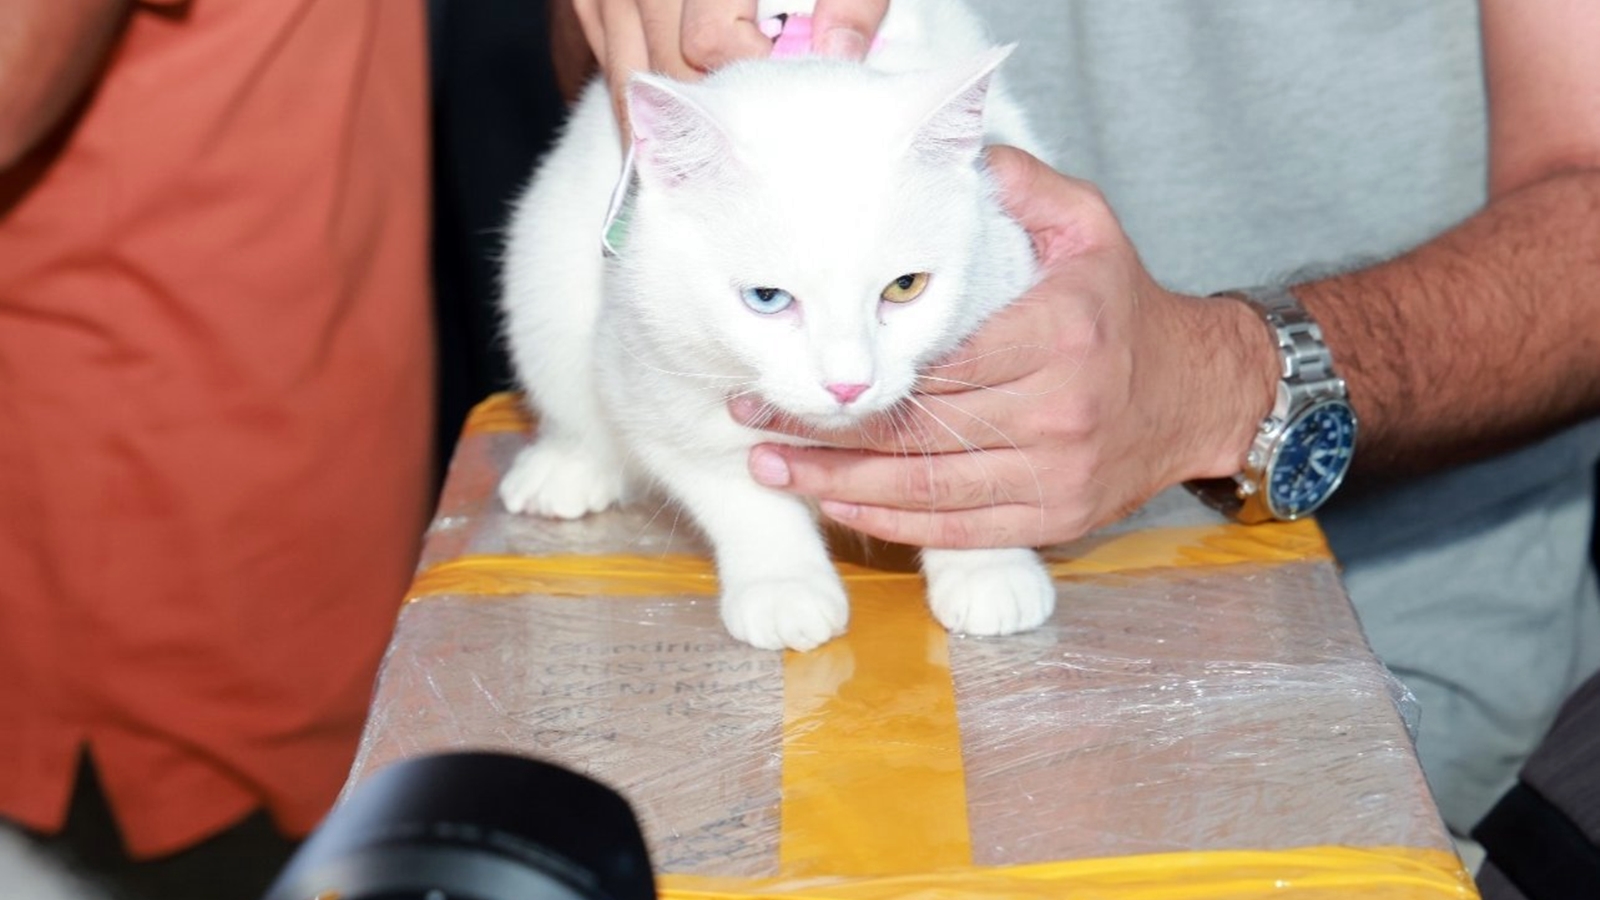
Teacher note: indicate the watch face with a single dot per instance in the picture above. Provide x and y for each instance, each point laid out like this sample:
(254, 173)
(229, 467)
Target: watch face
(1311, 459)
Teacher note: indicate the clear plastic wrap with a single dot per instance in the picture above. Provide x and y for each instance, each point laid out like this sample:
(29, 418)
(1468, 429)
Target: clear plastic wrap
(1201, 710)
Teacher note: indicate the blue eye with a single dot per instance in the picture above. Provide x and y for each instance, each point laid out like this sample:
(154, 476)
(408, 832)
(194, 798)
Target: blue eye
(766, 300)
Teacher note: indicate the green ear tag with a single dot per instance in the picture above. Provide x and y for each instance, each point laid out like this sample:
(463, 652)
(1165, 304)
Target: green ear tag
(615, 230)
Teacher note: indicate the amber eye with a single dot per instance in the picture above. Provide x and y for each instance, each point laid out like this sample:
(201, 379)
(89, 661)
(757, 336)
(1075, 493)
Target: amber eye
(906, 288)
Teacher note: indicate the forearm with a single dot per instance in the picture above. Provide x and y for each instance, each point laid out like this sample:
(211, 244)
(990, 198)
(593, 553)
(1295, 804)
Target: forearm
(50, 52)
(1484, 338)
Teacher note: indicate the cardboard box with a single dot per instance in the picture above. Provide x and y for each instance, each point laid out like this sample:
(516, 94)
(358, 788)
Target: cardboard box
(1201, 718)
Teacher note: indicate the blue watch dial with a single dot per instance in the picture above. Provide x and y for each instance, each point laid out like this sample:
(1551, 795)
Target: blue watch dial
(1311, 459)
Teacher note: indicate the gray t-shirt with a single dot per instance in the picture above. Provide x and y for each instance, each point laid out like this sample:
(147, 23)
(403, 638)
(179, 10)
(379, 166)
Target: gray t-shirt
(1242, 141)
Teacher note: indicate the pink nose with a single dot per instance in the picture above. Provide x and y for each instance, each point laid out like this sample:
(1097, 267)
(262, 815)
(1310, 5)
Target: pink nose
(847, 392)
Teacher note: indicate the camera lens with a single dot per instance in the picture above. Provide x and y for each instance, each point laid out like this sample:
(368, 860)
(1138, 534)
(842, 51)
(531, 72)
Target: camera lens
(473, 826)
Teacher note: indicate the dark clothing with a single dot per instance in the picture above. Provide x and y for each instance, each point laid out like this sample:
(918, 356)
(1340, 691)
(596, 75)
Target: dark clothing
(1543, 837)
(495, 110)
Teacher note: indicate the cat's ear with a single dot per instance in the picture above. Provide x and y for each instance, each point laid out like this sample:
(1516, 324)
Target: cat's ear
(674, 138)
(952, 132)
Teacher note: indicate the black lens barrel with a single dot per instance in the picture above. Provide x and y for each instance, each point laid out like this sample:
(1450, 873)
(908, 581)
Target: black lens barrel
(473, 826)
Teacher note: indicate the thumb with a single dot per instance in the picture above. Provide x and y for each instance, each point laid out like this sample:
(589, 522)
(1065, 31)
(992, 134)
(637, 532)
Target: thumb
(845, 28)
(1058, 212)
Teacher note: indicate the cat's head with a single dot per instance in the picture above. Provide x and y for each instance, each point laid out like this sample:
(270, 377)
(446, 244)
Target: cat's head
(816, 228)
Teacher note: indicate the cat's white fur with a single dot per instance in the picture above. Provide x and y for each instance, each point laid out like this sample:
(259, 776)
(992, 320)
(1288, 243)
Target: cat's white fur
(827, 179)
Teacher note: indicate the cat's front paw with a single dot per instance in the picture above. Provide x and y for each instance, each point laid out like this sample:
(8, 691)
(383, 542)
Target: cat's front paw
(555, 480)
(795, 613)
(988, 592)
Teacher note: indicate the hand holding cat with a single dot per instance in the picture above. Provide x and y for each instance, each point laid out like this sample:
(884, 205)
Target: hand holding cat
(1069, 409)
(683, 38)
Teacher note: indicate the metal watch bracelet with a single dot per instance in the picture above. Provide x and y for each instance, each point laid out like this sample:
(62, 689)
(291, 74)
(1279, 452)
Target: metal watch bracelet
(1306, 379)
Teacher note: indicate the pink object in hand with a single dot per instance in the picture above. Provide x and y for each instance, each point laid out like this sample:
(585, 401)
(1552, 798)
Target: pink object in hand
(791, 35)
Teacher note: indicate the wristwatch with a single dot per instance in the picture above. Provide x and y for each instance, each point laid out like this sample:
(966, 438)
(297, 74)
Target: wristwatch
(1303, 448)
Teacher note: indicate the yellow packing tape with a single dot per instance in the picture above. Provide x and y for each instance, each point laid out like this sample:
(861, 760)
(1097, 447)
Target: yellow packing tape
(1310, 873)
(498, 413)
(872, 775)
(667, 575)
(568, 576)
(1190, 548)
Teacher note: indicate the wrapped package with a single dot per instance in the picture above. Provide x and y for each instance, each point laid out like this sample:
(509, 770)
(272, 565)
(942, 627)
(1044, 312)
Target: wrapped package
(1201, 718)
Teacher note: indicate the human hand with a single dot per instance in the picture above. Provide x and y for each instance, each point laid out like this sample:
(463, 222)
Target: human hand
(1067, 410)
(684, 38)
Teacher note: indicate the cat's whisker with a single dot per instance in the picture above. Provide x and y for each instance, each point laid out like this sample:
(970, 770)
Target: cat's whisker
(911, 425)
(973, 385)
(1077, 365)
(677, 518)
(968, 447)
(903, 429)
(656, 514)
(980, 451)
(672, 528)
(1012, 348)
(720, 400)
(1066, 380)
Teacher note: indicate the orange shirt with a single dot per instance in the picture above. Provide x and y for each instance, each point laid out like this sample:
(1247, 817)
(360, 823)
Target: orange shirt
(215, 395)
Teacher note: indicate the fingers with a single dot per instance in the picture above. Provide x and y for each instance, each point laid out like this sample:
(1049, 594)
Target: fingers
(1014, 525)
(844, 28)
(941, 500)
(684, 38)
(1064, 216)
(615, 31)
(932, 424)
(937, 481)
(677, 38)
(592, 23)
(571, 58)
(717, 32)
(1027, 186)
(661, 22)
(1008, 348)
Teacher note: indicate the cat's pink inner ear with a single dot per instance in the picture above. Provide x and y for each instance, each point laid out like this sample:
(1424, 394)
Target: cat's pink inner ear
(953, 131)
(650, 108)
(956, 128)
(674, 139)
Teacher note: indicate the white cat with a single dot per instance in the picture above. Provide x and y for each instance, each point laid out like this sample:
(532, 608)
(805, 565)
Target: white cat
(808, 231)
